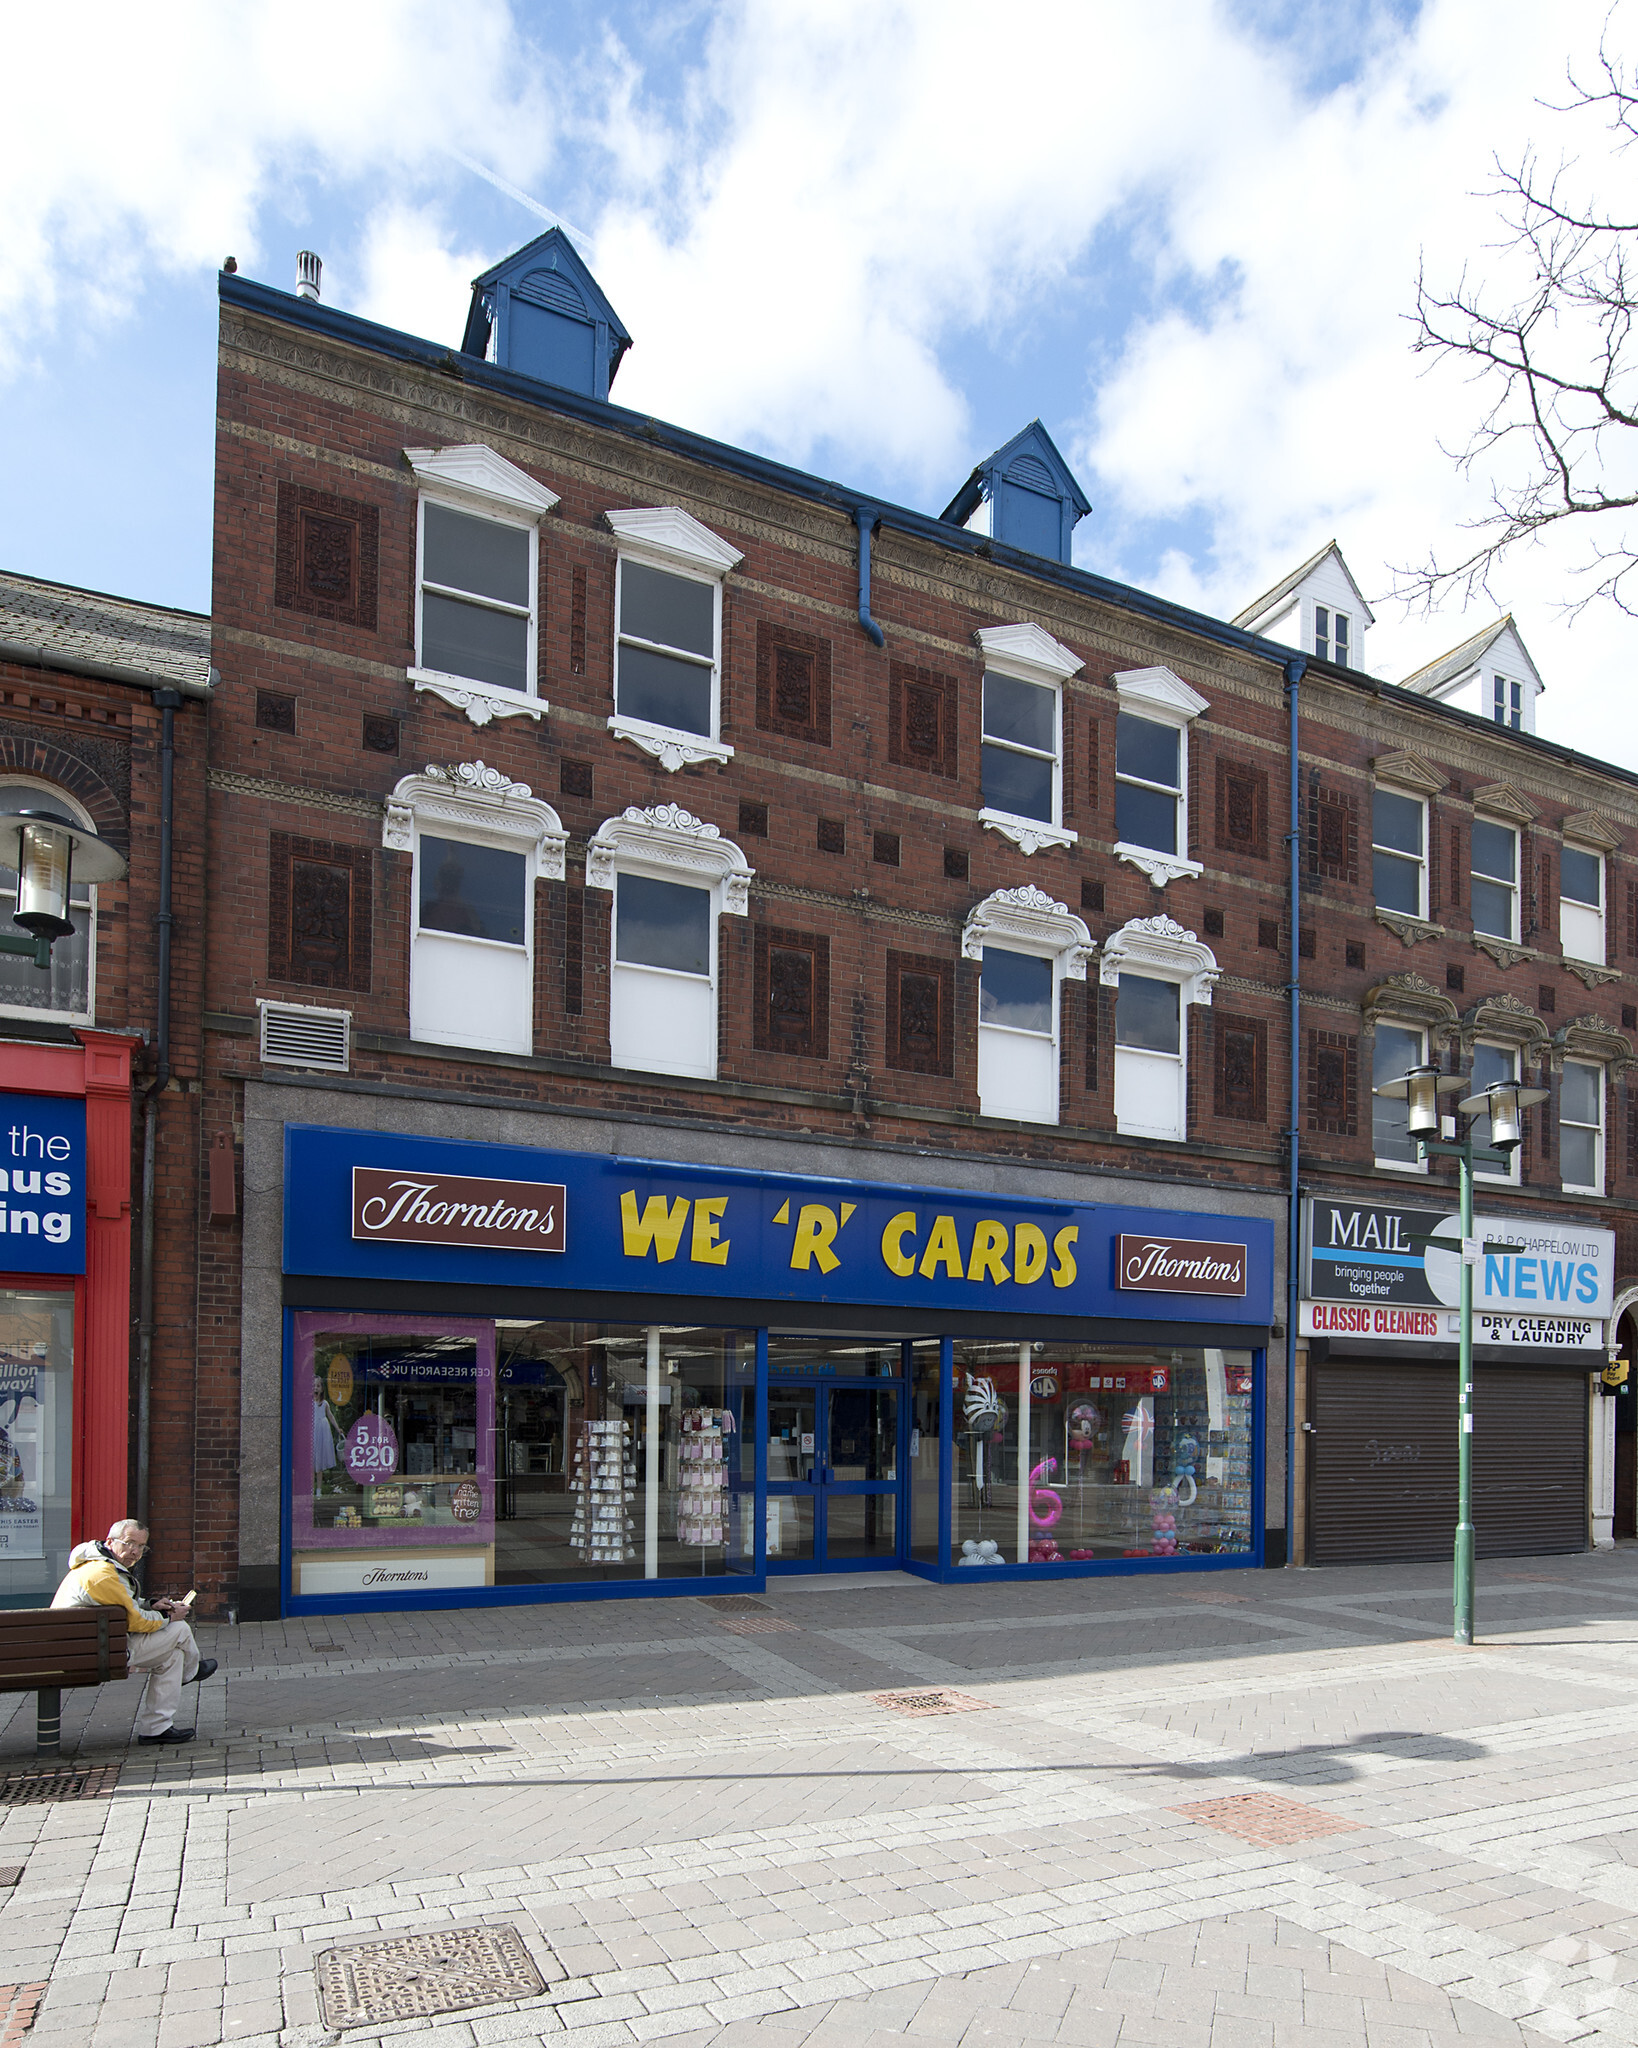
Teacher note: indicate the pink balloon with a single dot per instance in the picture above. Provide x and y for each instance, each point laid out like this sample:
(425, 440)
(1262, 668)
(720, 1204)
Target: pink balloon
(1052, 1505)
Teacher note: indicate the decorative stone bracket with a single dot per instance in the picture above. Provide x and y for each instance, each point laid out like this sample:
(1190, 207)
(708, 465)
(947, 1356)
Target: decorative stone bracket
(666, 836)
(1409, 930)
(472, 796)
(1029, 918)
(1161, 868)
(670, 746)
(1029, 835)
(1160, 946)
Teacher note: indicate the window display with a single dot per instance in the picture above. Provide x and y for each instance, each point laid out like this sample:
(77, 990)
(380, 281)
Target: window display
(36, 1443)
(1129, 1453)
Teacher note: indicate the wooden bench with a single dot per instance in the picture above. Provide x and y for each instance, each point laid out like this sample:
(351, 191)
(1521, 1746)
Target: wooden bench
(43, 1649)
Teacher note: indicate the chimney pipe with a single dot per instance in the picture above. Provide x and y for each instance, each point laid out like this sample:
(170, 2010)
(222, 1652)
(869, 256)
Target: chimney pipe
(308, 268)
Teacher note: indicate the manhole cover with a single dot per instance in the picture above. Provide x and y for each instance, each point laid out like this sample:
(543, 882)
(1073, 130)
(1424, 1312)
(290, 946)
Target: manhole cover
(941, 1702)
(737, 1603)
(419, 1975)
(32, 1788)
(1266, 1819)
(10, 1874)
(755, 1624)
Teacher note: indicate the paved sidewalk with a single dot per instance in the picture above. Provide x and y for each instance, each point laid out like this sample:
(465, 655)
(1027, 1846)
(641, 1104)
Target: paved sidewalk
(1245, 1810)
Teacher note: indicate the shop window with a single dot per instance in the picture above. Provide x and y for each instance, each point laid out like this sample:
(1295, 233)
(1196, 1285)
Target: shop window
(1495, 863)
(66, 992)
(456, 1452)
(1152, 773)
(1399, 865)
(1581, 904)
(1157, 971)
(1396, 1050)
(36, 1444)
(791, 980)
(1066, 1453)
(1581, 1127)
(672, 876)
(1026, 945)
(668, 635)
(1022, 719)
(477, 581)
(479, 844)
(1492, 1064)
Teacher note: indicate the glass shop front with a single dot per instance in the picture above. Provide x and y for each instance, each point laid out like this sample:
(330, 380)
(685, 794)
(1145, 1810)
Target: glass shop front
(506, 1438)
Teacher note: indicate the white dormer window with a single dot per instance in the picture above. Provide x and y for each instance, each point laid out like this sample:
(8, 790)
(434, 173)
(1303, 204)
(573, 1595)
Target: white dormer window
(1507, 703)
(668, 635)
(1025, 670)
(1027, 946)
(672, 877)
(1331, 635)
(477, 579)
(479, 844)
(1152, 772)
(1581, 904)
(1157, 970)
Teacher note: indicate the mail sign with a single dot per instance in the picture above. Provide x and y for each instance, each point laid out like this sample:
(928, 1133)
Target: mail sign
(1377, 1252)
(42, 1183)
(378, 1205)
(454, 1208)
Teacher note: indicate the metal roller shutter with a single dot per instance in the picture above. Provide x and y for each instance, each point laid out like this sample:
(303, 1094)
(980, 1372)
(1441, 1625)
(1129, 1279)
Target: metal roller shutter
(1382, 1462)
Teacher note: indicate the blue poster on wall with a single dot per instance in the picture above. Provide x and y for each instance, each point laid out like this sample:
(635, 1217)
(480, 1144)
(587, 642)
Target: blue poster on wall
(42, 1184)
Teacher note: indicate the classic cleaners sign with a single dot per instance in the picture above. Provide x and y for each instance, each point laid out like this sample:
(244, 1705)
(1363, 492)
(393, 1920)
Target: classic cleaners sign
(374, 1205)
(1180, 1265)
(453, 1208)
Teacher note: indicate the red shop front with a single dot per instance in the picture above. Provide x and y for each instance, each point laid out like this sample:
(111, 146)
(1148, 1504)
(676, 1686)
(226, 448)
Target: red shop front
(65, 1303)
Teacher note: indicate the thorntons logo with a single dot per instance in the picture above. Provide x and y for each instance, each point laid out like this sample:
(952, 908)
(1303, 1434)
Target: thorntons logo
(1180, 1265)
(413, 1577)
(450, 1208)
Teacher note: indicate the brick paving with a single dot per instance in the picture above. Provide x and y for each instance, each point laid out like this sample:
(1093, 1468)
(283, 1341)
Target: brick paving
(1273, 1809)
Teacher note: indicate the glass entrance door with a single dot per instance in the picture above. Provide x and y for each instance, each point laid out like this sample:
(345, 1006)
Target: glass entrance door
(833, 1476)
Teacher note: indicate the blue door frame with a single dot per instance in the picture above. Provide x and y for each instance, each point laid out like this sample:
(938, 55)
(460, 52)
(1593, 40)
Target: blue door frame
(817, 1487)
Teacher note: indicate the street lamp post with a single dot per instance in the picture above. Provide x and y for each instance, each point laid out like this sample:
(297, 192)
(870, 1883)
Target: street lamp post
(1420, 1090)
(50, 848)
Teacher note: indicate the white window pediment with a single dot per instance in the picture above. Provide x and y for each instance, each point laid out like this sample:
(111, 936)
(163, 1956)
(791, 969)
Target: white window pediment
(674, 841)
(1589, 830)
(468, 796)
(1160, 948)
(674, 538)
(1158, 694)
(1407, 771)
(487, 481)
(1029, 651)
(1505, 800)
(1029, 921)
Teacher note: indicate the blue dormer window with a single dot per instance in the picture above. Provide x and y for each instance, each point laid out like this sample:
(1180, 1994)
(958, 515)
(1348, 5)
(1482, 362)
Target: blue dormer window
(542, 314)
(1024, 495)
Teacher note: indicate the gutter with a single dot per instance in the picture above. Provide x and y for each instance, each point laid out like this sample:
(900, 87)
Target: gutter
(26, 655)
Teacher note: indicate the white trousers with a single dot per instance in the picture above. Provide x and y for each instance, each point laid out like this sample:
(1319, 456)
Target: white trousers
(170, 1657)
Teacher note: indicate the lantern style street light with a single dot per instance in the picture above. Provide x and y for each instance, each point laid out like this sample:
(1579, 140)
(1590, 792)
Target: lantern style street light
(51, 851)
(1420, 1090)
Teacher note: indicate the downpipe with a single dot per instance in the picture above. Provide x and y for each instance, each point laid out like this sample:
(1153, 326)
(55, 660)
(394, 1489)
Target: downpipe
(867, 519)
(1294, 672)
(168, 702)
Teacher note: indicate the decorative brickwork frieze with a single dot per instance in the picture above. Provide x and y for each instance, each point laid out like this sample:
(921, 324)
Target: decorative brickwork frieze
(1242, 808)
(1333, 833)
(920, 1014)
(318, 912)
(1240, 1067)
(792, 683)
(921, 730)
(326, 556)
(97, 772)
(577, 621)
(791, 992)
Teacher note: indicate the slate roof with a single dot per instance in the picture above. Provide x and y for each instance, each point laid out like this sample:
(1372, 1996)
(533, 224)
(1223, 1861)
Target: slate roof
(1460, 660)
(1284, 588)
(85, 625)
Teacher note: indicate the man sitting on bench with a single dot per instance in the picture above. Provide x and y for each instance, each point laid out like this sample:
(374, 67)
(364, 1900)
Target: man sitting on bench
(159, 1640)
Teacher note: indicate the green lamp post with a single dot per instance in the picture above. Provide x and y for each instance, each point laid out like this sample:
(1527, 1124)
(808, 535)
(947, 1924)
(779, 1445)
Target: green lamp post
(51, 850)
(1420, 1090)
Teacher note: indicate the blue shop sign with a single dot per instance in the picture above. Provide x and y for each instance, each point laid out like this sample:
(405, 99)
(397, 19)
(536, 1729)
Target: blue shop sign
(42, 1183)
(361, 1204)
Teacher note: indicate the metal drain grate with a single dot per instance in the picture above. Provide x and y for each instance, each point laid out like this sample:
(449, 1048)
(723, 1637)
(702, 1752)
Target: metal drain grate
(755, 1624)
(941, 1702)
(10, 1874)
(1266, 1819)
(33, 1788)
(417, 1976)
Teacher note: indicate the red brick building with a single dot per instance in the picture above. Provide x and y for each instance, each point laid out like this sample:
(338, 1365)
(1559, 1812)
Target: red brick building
(598, 811)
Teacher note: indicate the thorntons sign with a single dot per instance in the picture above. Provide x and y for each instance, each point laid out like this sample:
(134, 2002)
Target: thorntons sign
(1180, 1265)
(455, 1208)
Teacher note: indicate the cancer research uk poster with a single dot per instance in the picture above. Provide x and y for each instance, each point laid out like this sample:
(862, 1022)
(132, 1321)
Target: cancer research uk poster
(21, 1523)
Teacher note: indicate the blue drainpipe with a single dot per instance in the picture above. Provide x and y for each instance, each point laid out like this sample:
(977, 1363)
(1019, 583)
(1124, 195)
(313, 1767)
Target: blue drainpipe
(1294, 671)
(866, 518)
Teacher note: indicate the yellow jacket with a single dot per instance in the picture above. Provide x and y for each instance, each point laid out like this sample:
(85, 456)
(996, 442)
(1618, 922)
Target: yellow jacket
(99, 1582)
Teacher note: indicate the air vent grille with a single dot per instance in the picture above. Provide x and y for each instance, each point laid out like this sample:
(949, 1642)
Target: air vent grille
(298, 1035)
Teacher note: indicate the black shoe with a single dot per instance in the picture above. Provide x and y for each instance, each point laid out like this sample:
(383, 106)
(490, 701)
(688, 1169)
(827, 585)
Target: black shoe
(206, 1666)
(169, 1735)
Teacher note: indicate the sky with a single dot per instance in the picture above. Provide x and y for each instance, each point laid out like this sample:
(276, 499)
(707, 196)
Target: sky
(872, 238)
